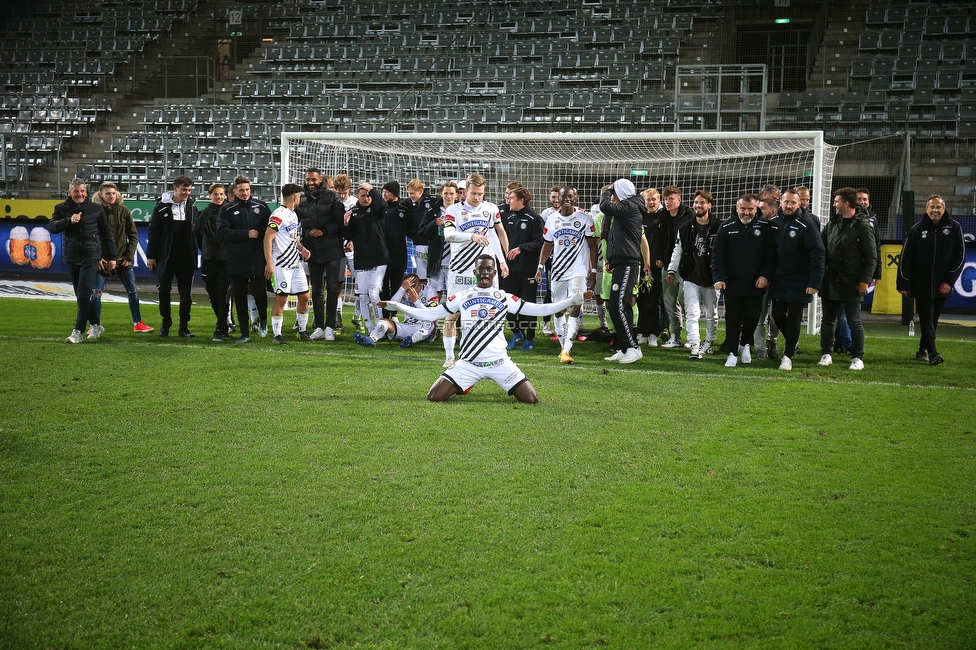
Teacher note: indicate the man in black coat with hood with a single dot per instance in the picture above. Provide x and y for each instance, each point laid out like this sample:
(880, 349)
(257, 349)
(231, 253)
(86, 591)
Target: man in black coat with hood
(623, 210)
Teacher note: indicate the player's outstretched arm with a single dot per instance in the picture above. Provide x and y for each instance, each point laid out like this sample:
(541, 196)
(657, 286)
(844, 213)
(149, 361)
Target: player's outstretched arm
(422, 313)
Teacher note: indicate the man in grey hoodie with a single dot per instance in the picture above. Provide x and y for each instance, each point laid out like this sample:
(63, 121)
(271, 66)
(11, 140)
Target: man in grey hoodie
(172, 251)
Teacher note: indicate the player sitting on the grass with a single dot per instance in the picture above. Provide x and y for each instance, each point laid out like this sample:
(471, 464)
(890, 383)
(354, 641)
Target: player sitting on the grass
(484, 353)
(411, 330)
(283, 255)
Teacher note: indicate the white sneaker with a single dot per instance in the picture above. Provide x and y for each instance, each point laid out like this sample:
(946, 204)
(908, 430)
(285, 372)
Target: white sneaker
(641, 339)
(449, 363)
(547, 329)
(652, 341)
(95, 331)
(318, 334)
(708, 348)
(615, 357)
(75, 337)
(745, 354)
(630, 356)
(731, 360)
(825, 361)
(672, 342)
(857, 364)
(695, 352)
(329, 334)
(687, 345)
(786, 364)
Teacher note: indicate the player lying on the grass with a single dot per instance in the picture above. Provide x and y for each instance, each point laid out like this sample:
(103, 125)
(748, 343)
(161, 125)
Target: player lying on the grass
(484, 354)
(283, 255)
(412, 330)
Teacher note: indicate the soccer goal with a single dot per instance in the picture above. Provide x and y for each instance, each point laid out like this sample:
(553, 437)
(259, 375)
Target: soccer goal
(726, 164)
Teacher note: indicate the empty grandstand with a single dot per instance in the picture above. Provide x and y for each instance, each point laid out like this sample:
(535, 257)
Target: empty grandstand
(138, 91)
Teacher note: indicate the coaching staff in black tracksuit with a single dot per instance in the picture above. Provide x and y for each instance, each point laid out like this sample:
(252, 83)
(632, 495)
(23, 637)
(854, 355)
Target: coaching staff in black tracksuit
(241, 225)
(931, 261)
(621, 204)
(524, 229)
(799, 269)
(743, 258)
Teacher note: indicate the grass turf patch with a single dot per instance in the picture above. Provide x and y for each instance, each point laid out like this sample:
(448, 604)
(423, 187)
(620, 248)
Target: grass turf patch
(164, 492)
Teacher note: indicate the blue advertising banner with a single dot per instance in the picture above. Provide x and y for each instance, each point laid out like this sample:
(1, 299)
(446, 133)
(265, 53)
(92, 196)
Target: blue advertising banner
(29, 249)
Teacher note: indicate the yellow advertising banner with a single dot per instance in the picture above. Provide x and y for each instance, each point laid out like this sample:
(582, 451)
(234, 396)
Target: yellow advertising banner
(30, 209)
(887, 300)
(22, 209)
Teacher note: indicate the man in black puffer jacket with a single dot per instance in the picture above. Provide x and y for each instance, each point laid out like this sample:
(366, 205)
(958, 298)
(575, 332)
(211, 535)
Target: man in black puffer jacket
(931, 261)
(241, 225)
(213, 259)
(364, 226)
(87, 246)
(321, 213)
(799, 270)
(743, 258)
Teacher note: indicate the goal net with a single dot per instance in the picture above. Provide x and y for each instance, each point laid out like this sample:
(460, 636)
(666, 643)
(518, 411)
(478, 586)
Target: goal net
(726, 164)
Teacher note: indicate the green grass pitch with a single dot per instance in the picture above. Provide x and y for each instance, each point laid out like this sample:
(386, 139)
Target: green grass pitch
(164, 493)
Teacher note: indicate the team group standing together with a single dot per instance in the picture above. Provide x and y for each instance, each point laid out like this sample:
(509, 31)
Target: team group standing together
(482, 264)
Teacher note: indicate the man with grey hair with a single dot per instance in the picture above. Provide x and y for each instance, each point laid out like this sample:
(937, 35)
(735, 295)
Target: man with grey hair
(87, 248)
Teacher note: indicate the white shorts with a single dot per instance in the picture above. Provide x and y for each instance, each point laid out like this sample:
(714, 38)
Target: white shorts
(502, 371)
(289, 282)
(403, 330)
(420, 256)
(565, 288)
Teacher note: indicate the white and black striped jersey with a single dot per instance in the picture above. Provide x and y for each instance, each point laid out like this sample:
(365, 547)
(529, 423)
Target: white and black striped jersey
(426, 297)
(460, 222)
(483, 313)
(570, 250)
(284, 246)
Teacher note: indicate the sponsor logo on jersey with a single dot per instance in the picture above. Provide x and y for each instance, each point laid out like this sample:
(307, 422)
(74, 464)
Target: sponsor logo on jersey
(476, 303)
(275, 222)
(792, 232)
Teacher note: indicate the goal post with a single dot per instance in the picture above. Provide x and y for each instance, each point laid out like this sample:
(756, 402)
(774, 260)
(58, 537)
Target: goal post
(727, 164)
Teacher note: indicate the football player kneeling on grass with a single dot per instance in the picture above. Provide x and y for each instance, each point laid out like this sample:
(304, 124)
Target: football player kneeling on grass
(484, 355)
